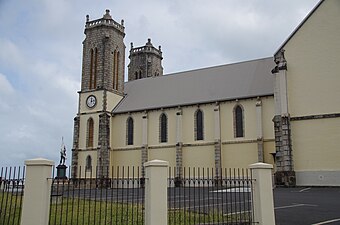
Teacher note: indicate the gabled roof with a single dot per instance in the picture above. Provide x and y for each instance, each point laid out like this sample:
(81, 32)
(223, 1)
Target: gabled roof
(226, 82)
(300, 25)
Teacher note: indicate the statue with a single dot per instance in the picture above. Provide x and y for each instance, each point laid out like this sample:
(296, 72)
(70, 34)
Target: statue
(61, 168)
(62, 153)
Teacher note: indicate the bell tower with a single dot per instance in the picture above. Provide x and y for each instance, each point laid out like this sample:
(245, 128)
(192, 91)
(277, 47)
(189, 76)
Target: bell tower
(102, 87)
(103, 55)
(145, 61)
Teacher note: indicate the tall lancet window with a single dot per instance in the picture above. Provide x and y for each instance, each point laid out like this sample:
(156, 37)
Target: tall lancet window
(129, 131)
(238, 121)
(115, 69)
(95, 68)
(90, 131)
(91, 68)
(163, 123)
(199, 125)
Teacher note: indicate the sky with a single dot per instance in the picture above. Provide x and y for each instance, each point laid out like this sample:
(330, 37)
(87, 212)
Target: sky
(41, 54)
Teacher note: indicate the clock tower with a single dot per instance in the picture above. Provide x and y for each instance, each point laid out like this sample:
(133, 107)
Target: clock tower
(102, 87)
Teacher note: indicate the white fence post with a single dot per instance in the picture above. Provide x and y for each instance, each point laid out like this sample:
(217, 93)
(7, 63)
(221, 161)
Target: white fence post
(156, 196)
(37, 191)
(263, 193)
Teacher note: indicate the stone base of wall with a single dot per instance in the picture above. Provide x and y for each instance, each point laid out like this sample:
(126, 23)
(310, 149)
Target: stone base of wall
(285, 178)
(318, 178)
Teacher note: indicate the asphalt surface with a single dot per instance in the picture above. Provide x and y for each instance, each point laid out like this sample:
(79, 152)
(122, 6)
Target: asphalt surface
(293, 206)
(307, 206)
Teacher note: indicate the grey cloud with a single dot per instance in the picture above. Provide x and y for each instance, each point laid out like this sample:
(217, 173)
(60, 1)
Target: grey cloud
(41, 50)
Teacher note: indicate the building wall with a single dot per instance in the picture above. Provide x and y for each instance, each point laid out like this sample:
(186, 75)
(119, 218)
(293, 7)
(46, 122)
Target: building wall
(236, 152)
(313, 80)
(313, 63)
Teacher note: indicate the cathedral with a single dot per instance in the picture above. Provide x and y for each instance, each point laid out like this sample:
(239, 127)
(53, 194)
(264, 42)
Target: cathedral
(283, 110)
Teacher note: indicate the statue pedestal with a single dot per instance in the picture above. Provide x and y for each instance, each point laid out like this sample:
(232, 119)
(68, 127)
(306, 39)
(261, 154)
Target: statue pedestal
(61, 172)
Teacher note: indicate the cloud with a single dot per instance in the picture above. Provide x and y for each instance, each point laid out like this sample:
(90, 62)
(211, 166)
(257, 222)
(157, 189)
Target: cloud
(41, 54)
(5, 86)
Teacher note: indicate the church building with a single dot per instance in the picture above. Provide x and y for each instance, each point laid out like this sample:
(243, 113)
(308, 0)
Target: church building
(282, 110)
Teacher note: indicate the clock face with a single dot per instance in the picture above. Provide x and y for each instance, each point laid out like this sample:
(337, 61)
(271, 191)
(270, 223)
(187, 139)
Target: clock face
(91, 101)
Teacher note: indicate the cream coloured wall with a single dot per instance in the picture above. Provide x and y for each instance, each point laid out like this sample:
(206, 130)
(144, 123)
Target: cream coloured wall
(126, 157)
(195, 153)
(239, 155)
(125, 163)
(118, 130)
(112, 100)
(82, 101)
(166, 154)
(269, 147)
(316, 144)
(313, 59)
(198, 156)
(268, 113)
(313, 80)
(188, 124)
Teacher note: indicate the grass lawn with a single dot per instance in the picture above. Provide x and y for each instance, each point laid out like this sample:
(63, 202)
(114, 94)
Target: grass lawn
(84, 211)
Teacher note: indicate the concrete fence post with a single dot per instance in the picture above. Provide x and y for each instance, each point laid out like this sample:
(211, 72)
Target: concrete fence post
(263, 201)
(156, 196)
(37, 191)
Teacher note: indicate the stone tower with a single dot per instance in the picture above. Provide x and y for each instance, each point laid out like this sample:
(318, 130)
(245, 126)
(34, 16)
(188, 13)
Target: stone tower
(145, 61)
(103, 55)
(102, 86)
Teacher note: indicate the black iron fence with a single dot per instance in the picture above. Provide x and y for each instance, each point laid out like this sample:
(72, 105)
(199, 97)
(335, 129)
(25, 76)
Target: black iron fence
(195, 196)
(11, 190)
(90, 199)
(207, 196)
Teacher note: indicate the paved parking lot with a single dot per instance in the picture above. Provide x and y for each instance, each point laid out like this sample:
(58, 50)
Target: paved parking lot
(307, 206)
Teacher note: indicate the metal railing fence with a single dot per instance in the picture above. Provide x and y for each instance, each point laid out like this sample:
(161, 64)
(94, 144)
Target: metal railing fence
(12, 180)
(202, 197)
(89, 199)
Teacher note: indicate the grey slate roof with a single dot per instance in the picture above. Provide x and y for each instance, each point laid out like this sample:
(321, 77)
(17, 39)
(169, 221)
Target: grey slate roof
(226, 82)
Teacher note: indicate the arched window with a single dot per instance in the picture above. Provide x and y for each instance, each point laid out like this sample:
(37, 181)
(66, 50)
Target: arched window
(199, 125)
(163, 126)
(88, 165)
(238, 121)
(129, 131)
(90, 131)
